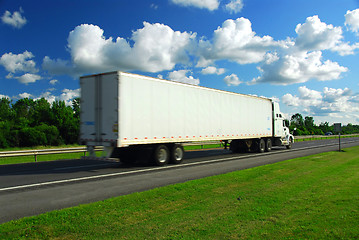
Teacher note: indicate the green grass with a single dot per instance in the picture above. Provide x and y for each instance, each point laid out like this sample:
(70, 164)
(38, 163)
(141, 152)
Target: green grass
(312, 197)
(308, 138)
(40, 158)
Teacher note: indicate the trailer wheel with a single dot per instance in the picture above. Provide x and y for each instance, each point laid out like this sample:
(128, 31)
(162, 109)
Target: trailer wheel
(268, 145)
(261, 145)
(177, 154)
(161, 155)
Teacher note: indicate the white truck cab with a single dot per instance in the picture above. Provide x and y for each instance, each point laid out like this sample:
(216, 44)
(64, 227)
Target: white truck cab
(280, 130)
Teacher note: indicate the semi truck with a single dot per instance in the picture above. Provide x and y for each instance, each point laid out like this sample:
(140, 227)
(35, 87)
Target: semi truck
(129, 114)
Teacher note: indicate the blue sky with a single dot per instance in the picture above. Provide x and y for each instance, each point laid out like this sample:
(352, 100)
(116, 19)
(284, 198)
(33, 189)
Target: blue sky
(303, 54)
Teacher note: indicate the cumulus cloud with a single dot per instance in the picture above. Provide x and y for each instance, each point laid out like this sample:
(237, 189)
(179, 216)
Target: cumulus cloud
(14, 19)
(53, 81)
(28, 78)
(352, 20)
(234, 6)
(206, 4)
(68, 95)
(329, 101)
(181, 76)
(156, 47)
(4, 96)
(24, 95)
(236, 41)
(232, 80)
(317, 35)
(213, 70)
(298, 68)
(18, 62)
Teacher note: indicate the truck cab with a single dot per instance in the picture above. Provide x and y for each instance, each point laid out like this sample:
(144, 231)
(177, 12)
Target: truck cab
(281, 132)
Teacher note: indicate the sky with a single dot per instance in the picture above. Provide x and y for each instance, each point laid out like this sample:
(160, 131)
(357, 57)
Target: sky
(303, 54)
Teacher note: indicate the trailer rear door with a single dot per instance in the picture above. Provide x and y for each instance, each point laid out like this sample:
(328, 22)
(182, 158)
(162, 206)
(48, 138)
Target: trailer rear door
(99, 109)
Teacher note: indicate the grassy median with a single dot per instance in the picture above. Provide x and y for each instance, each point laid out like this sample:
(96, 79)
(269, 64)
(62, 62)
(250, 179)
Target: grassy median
(314, 197)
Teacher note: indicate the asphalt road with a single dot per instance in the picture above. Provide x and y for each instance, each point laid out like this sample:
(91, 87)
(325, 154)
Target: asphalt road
(34, 188)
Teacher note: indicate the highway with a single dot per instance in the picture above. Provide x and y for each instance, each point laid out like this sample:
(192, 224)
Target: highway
(34, 188)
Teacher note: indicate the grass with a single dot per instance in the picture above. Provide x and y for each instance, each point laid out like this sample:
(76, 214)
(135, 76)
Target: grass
(313, 197)
(315, 137)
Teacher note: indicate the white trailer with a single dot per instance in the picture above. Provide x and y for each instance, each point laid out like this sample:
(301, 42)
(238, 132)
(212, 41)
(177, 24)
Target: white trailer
(128, 113)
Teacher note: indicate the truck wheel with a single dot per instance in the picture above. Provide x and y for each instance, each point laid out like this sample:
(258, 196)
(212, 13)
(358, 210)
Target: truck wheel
(177, 153)
(268, 145)
(289, 146)
(161, 155)
(261, 145)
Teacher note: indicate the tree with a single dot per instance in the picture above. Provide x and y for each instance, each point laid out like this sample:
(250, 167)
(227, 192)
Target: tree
(23, 112)
(297, 120)
(325, 127)
(6, 112)
(41, 112)
(63, 119)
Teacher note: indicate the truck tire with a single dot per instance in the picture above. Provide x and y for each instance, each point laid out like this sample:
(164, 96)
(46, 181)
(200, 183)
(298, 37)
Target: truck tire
(177, 154)
(289, 146)
(161, 155)
(268, 145)
(261, 145)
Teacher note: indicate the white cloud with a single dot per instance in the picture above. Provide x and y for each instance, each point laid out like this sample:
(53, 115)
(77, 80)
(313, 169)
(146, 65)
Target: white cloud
(232, 80)
(344, 49)
(234, 6)
(4, 96)
(53, 82)
(48, 96)
(156, 48)
(326, 103)
(181, 76)
(18, 62)
(28, 78)
(331, 95)
(15, 19)
(24, 95)
(68, 95)
(213, 70)
(317, 35)
(236, 41)
(352, 20)
(207, 4)
(299, 67)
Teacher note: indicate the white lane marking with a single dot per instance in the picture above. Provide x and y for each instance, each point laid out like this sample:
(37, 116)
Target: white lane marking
(156, 168)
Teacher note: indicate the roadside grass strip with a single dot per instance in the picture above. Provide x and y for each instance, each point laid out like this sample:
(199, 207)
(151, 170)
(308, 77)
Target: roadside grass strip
(315, 197)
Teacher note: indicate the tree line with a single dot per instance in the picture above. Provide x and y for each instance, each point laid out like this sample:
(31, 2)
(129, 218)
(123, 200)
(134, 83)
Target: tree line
(28, 123)
(305, 126)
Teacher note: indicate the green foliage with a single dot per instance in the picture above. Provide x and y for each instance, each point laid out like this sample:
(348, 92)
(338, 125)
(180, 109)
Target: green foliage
(306, 126)
(28, 123)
